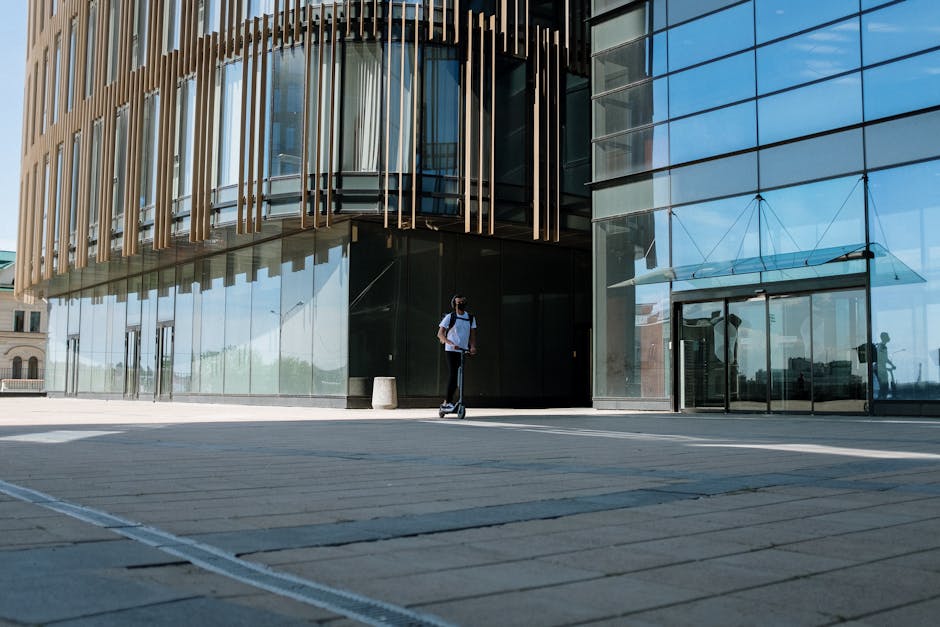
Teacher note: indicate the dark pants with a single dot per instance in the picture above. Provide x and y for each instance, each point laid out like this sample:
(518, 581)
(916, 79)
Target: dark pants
(453, 363)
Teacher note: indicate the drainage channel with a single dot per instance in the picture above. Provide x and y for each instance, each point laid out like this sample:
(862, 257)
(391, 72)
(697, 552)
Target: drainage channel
(208, 557)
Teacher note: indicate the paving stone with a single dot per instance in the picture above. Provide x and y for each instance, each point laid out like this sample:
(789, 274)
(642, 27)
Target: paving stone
(923, 614)
(851, 592)
(205, 612)
(60, 596)
(724, 611)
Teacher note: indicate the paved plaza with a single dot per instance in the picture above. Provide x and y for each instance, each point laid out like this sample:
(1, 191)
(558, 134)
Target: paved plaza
(131, 513)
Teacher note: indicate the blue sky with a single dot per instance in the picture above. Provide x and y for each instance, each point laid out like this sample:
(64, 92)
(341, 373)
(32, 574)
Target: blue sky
(12, 71)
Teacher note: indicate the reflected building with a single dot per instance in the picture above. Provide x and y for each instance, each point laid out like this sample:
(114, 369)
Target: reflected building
(275, 199)
(766, 203)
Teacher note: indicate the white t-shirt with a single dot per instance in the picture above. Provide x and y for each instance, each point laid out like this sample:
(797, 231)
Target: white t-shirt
(460, 333)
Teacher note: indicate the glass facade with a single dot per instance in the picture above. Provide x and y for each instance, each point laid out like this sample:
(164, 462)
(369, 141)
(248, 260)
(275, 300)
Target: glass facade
(318, 314)
(745, 147)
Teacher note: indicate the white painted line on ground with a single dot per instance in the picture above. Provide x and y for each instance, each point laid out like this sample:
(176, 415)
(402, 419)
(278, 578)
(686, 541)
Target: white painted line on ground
(693, 441)
(574, 431)
(830, 450)
(341, 602)
(56, 437)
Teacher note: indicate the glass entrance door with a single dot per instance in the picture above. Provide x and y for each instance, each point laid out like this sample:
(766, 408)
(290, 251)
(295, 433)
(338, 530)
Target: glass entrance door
(791, 363)
(747, 355)
(132, 363)
(786, 353)
(840, 377)
(702, 356)
(71, 366)
(164, 382)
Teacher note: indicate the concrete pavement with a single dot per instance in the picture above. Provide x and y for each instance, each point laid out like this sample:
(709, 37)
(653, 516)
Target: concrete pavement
(126, 513)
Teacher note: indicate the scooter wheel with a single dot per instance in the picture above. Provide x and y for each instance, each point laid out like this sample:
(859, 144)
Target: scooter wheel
(461, 412)
(440, 414)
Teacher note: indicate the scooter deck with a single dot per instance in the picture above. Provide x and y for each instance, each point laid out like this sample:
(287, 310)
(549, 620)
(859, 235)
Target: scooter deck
(459, 409)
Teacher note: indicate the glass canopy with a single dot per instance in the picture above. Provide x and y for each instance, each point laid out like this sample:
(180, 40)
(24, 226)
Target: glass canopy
(886, 269)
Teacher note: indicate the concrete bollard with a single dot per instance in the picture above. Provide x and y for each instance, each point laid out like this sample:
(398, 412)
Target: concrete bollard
(384, 393)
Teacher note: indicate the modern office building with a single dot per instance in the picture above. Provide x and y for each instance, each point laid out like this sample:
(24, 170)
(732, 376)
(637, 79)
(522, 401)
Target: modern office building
(264, 201)
(766, 203)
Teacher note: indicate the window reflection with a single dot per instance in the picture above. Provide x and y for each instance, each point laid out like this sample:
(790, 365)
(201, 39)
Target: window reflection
(620, 66)
(715, 231)
(812, 216)
(902, 86)
(632, 322)
(685, 10)
(619, 29)
(834, 103)
(906, 219)
(631, 152)
(331, 313)
(211, 301)
(779, 18)
(809, 57)
(296, 307)
(284, 140)
(229, 124)
(185, 141)
(628, 108)
(120, 169)
(266, 318)
(712, 85)
(148, 154)
(362, 91)
(400, 84)
(713, 133)
(712, 36)
(900, 29)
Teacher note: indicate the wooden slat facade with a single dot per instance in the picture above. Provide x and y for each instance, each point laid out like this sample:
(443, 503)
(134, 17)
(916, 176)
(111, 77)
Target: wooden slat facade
(153, 69)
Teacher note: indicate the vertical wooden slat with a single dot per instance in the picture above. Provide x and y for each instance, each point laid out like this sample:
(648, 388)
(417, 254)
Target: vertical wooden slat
(468, 130)
(305, 141)
(199, 144)
(559, 100)
(318, 142)
(84, 217)
(252, 150)
(388, 116)
(212, 63)
(164, 156)
(105, 209)
(536, 138)
(130, 162)
(415, 118)
(241, 205)
(297, 20)
(263, 105)
(492, 212)
(482, 123)
(401, 119)
(329, 177)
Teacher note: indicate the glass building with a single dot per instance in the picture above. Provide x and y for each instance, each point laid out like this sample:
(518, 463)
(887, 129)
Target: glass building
(766, 205)
(274, 200)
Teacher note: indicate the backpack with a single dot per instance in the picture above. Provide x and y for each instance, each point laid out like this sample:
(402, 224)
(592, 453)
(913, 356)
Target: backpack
(453, 320)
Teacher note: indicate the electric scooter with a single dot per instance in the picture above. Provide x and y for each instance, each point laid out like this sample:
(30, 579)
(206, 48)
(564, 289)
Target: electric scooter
(459, 408)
